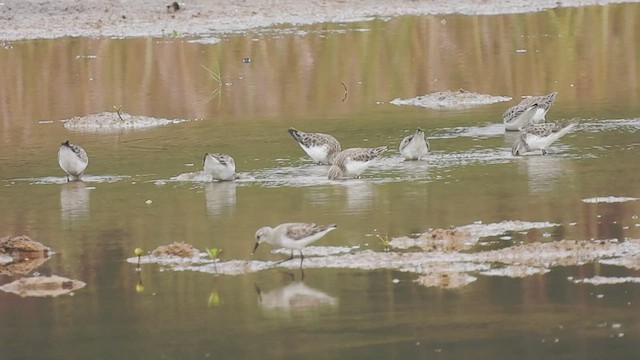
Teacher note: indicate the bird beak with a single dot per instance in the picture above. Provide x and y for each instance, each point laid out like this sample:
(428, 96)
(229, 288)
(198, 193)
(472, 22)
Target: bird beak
(255, 247)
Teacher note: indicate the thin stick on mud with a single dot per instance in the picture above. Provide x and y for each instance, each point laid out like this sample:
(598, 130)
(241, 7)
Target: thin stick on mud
(346, 92)
(118, 108)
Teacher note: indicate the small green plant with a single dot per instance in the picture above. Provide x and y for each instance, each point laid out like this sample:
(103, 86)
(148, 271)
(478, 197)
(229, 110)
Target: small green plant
(175, 34)
(384, 241)
(214, 253)
(138, 252)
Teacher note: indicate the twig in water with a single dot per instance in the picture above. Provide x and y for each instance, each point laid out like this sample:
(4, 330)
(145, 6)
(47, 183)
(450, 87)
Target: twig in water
(346, 92)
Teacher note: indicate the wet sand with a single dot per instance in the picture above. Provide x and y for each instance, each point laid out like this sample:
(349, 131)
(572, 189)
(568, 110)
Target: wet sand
(109, 18)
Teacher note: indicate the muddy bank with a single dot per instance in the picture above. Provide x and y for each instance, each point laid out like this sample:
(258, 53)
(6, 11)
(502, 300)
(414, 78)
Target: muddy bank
(20, 255)
(443, 260)
(52, 19)
(116, 121)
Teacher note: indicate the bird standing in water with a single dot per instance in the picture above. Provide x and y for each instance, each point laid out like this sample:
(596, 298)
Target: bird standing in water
(73, 160)
(322, 148)
(530, 111)
(540, 136)
(415, 146)
(294, 236)
(352, 162)
(220, 166)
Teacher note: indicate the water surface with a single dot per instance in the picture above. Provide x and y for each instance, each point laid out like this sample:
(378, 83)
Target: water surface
(589, 55)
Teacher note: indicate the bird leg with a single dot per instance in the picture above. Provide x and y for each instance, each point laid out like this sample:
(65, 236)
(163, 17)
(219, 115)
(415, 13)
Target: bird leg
(301, 258)
(281, 261)
(544, 152)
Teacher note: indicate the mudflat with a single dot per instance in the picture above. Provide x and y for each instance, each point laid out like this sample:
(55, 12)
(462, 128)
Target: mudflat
(47, 19)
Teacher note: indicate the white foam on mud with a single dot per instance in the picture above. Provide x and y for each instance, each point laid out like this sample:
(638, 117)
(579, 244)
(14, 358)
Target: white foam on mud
(424, 263)
(63, 180)
(205, 40)
(110, 121)
(171, 260)
(608, 199)
(386, 169)
(476, 232)
(301, 175)
(560, 253)
(627, 125)
(446, 280)
(197, 176)
(301, 32)
(318, 250)
(472, 156)
(516, 271)
(446, 269)
(604, 280)
(630, 261)
(451, 100)
(488, 130)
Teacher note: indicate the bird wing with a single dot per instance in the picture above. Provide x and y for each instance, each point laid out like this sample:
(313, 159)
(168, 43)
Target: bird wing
(315, 139)
(542, 130)
(513, 112)
(364, 155)
(298, 231)
(222, 158)
(80, 152)
(405, 142)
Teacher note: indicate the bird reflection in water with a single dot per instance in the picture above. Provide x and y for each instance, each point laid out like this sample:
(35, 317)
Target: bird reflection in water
(74, 201)
(544, 171)
(359, 194)
(220, 196)
(296, 296)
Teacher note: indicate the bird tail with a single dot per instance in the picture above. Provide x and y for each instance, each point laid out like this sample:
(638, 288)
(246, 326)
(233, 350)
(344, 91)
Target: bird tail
(379, 150)
(565, 130)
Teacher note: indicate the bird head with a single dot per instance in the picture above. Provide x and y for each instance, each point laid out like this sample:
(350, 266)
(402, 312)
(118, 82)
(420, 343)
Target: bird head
(261, 236)
(519, 147)
(335, 173)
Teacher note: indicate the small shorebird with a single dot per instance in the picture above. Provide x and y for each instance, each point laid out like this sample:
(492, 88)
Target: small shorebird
(322, 148)
(73, 160)
(531, 110)
(294, 236)
(415, 146)
(352, 162)
(220, 166)
(540, 136)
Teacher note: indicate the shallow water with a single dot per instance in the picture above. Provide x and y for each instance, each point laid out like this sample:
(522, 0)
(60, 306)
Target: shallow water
(142, 188)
